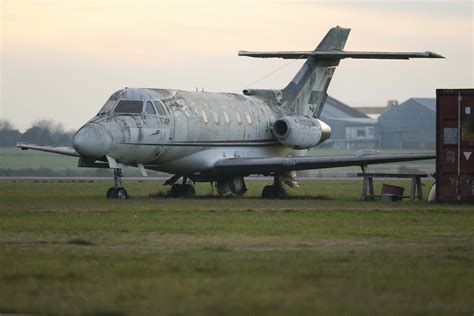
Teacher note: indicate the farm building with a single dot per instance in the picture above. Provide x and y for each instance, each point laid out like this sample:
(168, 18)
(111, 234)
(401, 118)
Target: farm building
(410, 125)
(351, 129)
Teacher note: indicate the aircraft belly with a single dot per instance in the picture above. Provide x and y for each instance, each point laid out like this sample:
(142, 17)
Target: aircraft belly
(205, 158)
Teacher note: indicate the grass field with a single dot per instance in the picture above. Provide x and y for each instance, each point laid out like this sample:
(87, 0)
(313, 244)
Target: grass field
(65, 249)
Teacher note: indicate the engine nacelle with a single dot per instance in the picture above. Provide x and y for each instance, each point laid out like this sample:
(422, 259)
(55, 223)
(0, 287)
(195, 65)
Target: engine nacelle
(300, 132)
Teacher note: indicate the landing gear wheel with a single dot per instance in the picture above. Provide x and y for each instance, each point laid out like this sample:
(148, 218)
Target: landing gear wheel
(189, 190)
(117, 193)
(121, 194)
(110, 193)
(176, 190)
(273, 192)
(182, 190)
(267, 192)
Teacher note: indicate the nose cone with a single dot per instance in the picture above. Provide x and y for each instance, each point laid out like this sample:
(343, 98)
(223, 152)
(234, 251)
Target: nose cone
(92, 140)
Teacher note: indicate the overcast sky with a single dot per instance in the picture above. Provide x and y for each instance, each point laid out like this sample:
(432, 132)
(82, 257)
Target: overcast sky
(62, 59)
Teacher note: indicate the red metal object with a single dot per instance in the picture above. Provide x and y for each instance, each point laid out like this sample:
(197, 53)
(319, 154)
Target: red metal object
(454, 150)
(392, 190)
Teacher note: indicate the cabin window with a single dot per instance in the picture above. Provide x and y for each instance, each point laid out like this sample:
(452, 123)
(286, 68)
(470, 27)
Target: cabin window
(159, 107)
(239, 118)
(150, 109)
(216, 118)
(129, 107)
(204, 117)
(226, 118)
(249, 118)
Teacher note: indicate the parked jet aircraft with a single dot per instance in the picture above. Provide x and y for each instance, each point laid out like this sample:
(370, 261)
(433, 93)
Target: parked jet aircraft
(224, 137)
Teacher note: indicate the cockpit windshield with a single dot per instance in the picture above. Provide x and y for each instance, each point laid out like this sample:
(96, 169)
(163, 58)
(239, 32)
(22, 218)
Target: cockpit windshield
(129, 107)
(108, 106)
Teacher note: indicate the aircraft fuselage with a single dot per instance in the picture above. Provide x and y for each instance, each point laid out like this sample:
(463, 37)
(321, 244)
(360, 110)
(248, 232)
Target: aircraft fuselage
(181, 132)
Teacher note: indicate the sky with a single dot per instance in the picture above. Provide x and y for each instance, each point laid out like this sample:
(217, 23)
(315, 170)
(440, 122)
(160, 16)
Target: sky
(61, 60)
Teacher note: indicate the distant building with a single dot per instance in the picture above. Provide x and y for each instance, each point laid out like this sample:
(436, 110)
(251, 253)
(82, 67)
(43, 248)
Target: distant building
(410, 125)
(351, 129)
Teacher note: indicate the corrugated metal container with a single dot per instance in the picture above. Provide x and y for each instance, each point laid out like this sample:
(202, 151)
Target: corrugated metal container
(454, 150)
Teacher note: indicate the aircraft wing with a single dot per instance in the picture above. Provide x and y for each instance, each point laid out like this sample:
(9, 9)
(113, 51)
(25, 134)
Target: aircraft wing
(281, 164)
(68, 151)
(339, 55)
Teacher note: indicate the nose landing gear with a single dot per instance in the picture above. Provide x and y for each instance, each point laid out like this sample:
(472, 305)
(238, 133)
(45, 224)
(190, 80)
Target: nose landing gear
(117, 192)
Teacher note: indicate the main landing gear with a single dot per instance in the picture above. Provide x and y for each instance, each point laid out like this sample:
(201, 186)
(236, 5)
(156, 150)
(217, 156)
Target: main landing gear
(274, 191)
(117, 191)
(235, 185)
(182, 189)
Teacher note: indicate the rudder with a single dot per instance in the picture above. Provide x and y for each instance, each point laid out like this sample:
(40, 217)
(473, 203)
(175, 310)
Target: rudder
(335, 39)
(307, 92)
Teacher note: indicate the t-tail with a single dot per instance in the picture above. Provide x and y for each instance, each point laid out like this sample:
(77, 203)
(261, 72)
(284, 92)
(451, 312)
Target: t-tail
(306, 93)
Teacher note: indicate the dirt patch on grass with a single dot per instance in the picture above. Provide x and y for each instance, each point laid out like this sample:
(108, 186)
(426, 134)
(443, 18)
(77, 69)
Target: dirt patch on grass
(80, 242)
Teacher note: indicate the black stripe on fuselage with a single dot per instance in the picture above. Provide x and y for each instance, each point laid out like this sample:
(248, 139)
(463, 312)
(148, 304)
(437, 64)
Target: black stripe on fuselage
(228, 143)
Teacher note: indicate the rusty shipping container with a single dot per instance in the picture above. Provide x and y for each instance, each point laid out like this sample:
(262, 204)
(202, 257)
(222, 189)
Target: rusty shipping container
(455, 145)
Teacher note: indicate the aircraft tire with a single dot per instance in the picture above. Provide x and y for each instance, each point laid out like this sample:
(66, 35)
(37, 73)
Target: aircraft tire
(117, 193)
(272, 192)
(121, 194)
(188, 190)
(182, 190)
(268, 192)
(176, 190)
(110, 193)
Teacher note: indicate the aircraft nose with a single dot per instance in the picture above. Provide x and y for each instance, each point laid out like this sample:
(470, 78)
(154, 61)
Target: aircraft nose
(92, 140)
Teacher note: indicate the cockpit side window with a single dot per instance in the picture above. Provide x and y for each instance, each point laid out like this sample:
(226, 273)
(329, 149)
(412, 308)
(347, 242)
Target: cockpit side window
(107, 106)
(150, 109)
(160, 108)
(129, 107)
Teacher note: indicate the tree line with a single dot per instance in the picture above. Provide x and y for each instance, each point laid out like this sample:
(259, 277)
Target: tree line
(43, 132)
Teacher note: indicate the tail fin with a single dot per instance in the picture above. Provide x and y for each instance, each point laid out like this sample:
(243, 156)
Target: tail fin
(335, 39)
(307, 92)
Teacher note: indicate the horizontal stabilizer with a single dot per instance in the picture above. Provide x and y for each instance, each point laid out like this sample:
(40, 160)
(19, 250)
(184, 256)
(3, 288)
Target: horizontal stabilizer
(336, 54)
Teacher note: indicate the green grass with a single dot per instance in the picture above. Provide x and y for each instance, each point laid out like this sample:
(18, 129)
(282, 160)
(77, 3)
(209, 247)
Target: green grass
(65, 249)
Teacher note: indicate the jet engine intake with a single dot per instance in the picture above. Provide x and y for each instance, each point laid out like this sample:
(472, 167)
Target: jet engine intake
(301, 132)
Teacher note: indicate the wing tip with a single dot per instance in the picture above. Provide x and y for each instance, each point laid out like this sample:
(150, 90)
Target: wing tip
(21, 146)
(434, 55)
